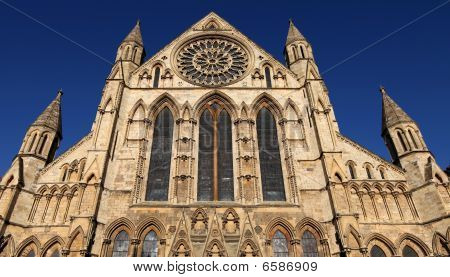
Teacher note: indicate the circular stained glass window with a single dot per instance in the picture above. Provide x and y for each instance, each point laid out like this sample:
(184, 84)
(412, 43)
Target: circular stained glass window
(212, 61)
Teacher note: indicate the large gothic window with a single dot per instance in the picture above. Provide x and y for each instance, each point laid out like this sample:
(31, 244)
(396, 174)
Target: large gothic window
(309, 245)
(150, 247)
(215, 167)
(269, 157)
(376, 251)
(161, 156)
(121, 243)
(280, 245)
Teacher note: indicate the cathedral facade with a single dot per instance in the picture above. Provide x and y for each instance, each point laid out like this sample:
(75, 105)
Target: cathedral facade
(214, 148)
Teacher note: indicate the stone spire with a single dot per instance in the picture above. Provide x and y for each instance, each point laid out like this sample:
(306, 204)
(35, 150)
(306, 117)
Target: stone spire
(51, 116)
(293, 33)
(392, 113)
(135, 35)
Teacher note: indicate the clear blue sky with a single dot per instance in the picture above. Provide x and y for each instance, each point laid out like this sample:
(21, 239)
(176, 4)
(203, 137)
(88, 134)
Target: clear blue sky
(413, 64)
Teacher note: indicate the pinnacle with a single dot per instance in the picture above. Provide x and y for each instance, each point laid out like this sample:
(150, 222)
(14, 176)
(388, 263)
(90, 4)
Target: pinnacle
(293, 33)
(135, 34)
(391, 112)
(51, 116)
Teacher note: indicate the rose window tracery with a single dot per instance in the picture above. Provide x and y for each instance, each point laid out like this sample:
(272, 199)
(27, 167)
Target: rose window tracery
(212, 61)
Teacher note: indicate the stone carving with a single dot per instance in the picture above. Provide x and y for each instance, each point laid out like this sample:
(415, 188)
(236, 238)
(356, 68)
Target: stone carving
(212, 61)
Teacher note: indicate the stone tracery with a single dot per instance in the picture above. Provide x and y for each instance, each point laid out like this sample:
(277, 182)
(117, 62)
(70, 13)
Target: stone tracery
(212, 61)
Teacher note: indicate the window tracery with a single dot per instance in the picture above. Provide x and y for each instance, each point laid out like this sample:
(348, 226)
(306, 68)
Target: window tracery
(212, 61)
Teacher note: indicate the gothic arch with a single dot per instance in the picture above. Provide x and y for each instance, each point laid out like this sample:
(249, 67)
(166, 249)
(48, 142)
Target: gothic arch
(162, 101)
(77, 232)
(266, 100)
(229, 104)
(139, 104)
(289, 107)
(244, 111)
(186, 111)
(382, 242)
(199, 213)
(316, 229)
(414, 242)
(210, 248)
(174, 252)
(30, 243)
(256, 252)
(351, 231)
(50, 243)
(440, 246)
(275, 225)
(116, 224)
(150, 223)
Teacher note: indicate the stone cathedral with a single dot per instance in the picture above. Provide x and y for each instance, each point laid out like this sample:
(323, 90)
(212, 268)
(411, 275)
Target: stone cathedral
(212, 147)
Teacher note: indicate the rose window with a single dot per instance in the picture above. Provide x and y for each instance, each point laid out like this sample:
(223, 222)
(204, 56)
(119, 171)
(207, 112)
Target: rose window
(212, 62)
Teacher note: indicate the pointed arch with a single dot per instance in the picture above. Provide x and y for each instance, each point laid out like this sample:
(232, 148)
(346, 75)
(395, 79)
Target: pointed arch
(279, 222)
(154, 224)
(76, 242)
(414, 242)
(249, 245)
(313, 237)
(382, 242)
(123, 221)
(30, 247)
(440, 246)
(228, 103)
(186, 111)
(244, 111)
(140, 104)
(215, 247)
(291, 110)
(266, 100)
(50, 244)
(351, 231)
(180, 248)
(162, 101)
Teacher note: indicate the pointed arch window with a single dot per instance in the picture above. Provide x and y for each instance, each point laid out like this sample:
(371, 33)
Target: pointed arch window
(295, 51)
(309, 245)
(302, 51)
(382, 174)
(157, 76)
(376, 251)
(400, 137)
(409, 252)
(268, 76)
(412, 138)
(368, 171)
(150, 246)
(215, 170)
(32, 143)
(121, 243)
(280, 245)
(44, 141)
(269, 157)
(161, 156)
(351, 169)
